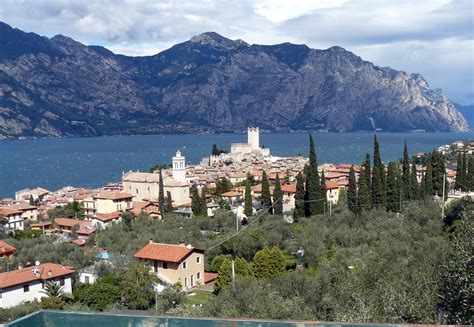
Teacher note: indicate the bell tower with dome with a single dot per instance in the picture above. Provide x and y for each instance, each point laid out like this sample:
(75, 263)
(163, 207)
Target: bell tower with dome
(179, 167)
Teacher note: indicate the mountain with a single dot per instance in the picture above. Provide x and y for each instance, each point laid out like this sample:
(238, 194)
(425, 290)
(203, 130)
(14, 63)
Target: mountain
(56, 87)
(468, 112)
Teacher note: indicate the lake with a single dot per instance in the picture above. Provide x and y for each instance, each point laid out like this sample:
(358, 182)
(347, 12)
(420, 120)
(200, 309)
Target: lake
(93, 162)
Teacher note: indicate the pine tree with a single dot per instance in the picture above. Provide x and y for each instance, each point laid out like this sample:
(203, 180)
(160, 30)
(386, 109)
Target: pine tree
(169, 202)
(299, 198)
(406, 174)
(266, 196)
(161, 195)
(203, 202)
(352, 200)
(278, 197)
(414, 189)
(248, 209)
(393, 192)
(459, 175)
(196, 202)
(315, 199)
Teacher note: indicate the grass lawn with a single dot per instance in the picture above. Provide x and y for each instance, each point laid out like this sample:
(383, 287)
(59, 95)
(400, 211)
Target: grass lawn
(201, 297)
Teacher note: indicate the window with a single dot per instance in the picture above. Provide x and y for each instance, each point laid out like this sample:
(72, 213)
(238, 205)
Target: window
(155, 266)
(136, 191)
(198, 259)
(185, 282)
(26, 288)
(61, 281)
(185, 265)
(198, 276)
(86, 279)
(192, 280)
(165, 265)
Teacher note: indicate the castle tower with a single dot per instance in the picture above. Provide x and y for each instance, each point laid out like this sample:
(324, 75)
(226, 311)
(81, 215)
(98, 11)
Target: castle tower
(179, 167)
(253, 137)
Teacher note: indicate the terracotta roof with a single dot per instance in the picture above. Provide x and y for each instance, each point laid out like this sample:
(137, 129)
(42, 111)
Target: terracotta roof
(8, 212)
(332, 185)
(67, 222)
(165, 252)
(108, 216)
(209, 277)
(6, 249)
(85, 231)
(45, 271)
(41, 224)
(113, 195)
(80, 242)
(288, 188)
(231, 194)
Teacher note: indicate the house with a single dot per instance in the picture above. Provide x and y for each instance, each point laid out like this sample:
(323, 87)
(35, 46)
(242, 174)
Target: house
(12, 219)
(88, 275)
(289, 191)
(107, 202)
(26, 284)
(332, 191)
(28, 212)
(173, 263)
(65, 225)
(150, 208)
(104, 220)
(231, 196)
(6, 250)
(38, 194)
(43, 226)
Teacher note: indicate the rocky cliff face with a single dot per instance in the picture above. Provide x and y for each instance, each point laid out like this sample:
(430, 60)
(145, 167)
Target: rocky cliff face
(60, 87)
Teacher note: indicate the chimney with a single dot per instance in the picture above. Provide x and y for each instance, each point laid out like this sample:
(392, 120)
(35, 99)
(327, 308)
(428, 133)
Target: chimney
(50, 272)
(150, 241)
(20, 266)
(37, 263)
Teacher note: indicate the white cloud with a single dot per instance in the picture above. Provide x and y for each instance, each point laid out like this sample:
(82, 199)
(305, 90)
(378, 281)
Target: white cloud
(432, 37)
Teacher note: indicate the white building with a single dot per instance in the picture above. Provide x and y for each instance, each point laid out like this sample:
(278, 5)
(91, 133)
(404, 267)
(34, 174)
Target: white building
(88, 275)
(26, 284)
(11, 219)
(179, 167)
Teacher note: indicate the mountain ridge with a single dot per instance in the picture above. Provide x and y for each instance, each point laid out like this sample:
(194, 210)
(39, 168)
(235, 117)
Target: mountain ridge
(58, 87)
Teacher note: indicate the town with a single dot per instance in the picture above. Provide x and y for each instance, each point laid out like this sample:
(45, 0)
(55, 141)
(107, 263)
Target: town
(233, 190)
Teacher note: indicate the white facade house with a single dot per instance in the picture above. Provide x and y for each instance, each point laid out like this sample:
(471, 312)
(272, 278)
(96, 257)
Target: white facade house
(12, 219)
(26, 284)
(179, 167)
(88, 275)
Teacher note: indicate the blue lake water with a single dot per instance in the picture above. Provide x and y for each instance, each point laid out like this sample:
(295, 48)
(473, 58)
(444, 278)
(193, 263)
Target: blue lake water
(48, 318)
(93, 162)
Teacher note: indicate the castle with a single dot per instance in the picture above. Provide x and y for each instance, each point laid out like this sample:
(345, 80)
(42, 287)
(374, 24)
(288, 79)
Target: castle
(242, 151)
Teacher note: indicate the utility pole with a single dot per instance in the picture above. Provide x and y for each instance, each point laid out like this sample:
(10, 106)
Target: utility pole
(236, 223)
(330, 209)
(233, 275)
(442, 202)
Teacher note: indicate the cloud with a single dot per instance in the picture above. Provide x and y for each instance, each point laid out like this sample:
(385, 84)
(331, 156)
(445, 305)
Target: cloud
(433, 37)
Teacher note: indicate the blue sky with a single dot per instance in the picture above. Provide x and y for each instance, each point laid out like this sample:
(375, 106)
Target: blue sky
(432, 37)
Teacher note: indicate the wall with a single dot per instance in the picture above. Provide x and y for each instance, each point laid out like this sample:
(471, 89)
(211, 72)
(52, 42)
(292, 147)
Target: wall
(142, 190)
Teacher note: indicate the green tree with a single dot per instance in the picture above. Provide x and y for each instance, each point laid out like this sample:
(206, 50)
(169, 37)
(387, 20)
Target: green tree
(428, 180)
(365, 198)
(138, 286)
(405, 175)
(99, 295)
(438, 172)
(222, 186)
(315, 201)
(248, 209)
(470, 173)
(393, 191)
(459, 172)
(266, 195)
(352, 199)
(161, 195)
(127, 218)
(415, 192)
(379, 180)
(457, 275)
(268, 263)
(195, 202)
(215, 150)
(278, 197)
(224, 273)
(203, 209)
(32, 200)
(170, 298)
(53, 289)
(169, 202)
(299, 198)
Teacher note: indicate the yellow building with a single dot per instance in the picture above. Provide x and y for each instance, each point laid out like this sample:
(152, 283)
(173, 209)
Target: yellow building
(174, 263)
(107, 202)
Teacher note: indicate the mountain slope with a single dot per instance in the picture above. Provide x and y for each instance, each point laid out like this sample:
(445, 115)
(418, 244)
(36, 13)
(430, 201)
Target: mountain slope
(468, 112)
(60, 87)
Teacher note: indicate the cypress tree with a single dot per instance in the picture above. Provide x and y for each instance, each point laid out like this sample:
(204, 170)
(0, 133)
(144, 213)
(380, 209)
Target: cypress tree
(364, 194)
(422, 189)
(429, 178)
(32, 200)
(470, 173)
(203, 202)
(379, 180)
(161, 195)
(438, 171)
(352, 200)
(315, 200)
(414, 192)
(266, 196)
(459, 175)
(393, 191)
(248, 209)
(169, 202)
(299, 198)
(196, 202)
(406, 174)
(278, 197)
(464, 171)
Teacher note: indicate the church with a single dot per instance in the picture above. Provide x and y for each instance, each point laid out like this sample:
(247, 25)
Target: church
(146, 186)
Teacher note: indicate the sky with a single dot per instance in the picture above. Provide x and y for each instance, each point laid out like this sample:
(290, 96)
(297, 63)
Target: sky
(432, 37)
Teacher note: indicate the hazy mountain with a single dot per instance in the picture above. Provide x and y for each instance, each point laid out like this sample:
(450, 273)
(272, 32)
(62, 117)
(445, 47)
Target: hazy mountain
(468, 112)
(60, 87)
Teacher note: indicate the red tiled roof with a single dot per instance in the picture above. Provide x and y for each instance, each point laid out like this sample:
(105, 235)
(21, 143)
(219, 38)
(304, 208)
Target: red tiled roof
(6, 249)
(113, 195)
(331, 185)
(8, 212)
(231, 194)
(67, 222)
(165, 252)
(80, 242)
(41, 224)
(288, 188)
(209, 277)
(45, 271)
(108, 216)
